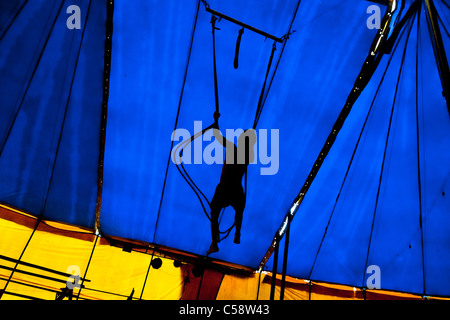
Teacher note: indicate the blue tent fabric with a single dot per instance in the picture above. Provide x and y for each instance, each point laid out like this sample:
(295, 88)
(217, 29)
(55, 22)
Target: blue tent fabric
(51, 105)
(373, 214)
(380, 197)
(280, 111)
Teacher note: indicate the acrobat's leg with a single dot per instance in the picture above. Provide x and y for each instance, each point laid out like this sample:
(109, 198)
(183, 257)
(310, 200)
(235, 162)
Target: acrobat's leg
(239, 213)
(238, 221)
(215, 211)
(214, 231)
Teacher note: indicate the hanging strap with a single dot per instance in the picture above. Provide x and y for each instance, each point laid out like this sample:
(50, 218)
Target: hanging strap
(238, 45)
(178, 154)
(260, 104)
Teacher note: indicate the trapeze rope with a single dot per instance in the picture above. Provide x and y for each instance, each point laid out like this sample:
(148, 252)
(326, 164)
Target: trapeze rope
(178, 152)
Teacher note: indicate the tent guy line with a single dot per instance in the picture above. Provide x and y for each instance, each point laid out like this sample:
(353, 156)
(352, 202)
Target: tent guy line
(367, 70)
(18, 108)
(419, 179)
(104, 115)
(408, 33)
(354, 151)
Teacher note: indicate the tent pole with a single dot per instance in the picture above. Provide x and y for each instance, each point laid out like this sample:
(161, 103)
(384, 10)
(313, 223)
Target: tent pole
(274, 270)
(285, 258)
(439, 51)
(106, 77)
(309, 289)
(259, 285)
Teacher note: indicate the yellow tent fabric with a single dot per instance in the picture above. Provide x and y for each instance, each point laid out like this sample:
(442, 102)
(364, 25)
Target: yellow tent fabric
(259, 285)
(39, 259)
(111, 272)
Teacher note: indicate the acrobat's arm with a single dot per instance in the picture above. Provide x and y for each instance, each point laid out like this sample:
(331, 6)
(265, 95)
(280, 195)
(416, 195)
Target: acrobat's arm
(218, 135)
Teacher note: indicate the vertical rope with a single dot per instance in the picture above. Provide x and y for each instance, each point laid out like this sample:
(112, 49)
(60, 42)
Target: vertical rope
(87, 267)
(418, 152)
(263, 89)
(178, 113)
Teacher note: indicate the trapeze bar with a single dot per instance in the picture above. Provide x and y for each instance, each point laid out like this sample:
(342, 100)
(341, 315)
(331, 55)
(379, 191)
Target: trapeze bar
(244, 25)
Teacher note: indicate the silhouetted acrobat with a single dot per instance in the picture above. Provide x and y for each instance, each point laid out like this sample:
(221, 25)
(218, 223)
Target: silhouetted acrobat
(229, 191)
